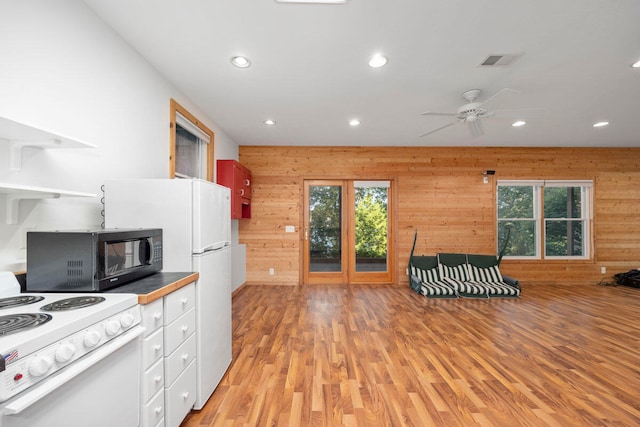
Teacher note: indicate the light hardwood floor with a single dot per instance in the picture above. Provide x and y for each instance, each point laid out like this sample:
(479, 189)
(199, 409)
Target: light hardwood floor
(385, 356)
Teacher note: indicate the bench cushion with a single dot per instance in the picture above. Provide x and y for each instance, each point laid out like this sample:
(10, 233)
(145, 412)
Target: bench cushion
(430, 284)
(437, 290)
(453, 266)
(487, 275)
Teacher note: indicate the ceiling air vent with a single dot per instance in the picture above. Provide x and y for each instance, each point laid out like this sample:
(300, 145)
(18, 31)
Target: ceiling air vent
(499, 60)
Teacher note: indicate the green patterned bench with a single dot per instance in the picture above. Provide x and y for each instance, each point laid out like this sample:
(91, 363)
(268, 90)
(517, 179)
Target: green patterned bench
(452, 275)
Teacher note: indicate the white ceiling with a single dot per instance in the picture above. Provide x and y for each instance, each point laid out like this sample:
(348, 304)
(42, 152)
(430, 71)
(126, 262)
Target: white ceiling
(309, 67)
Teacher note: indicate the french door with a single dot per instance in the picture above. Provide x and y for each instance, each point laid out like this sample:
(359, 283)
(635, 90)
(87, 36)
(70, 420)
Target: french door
(347, 231)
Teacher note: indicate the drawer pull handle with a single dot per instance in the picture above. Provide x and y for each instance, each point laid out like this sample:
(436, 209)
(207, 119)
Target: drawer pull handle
(185, 328)
(184, 301)
(157, 316)
(158, 378)
(157, 347)
(247, 182)
(185, 395)
(185, 356)
(158, 409)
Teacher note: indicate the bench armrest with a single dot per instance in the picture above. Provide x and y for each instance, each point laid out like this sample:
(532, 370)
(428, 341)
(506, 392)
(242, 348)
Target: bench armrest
(414, 282)
(512, 282)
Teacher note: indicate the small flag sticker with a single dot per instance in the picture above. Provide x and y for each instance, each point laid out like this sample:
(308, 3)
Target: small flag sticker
(8, 358)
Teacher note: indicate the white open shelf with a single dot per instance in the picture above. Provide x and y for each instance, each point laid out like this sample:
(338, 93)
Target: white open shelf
(20, 135)
(14, 193)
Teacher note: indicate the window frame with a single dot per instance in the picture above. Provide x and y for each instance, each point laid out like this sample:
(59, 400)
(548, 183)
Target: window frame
(177, 110)
(540, 222)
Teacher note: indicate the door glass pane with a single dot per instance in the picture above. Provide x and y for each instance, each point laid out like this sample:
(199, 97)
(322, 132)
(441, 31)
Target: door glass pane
(371, 227)
(325, 228)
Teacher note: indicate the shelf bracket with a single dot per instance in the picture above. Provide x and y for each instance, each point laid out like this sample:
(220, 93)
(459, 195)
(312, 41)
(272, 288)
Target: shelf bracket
(15, 150)
(13, 204)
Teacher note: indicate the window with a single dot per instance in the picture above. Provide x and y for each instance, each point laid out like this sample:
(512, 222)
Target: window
(191, 146)
(545, 219)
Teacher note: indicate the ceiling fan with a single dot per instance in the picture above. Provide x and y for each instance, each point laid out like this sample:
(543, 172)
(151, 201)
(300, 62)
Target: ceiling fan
(470, 113)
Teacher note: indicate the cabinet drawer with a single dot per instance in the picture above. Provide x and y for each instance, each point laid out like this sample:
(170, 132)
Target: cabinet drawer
(152, 316)
(181, 396)
(179, 302)
(152, 348)
(178, 331)
(153, 412)
(179, 359)
(152, 381)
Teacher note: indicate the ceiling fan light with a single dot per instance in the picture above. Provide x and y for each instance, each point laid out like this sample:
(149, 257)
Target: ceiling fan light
(240, 62)
(377, 61)
(518, 123)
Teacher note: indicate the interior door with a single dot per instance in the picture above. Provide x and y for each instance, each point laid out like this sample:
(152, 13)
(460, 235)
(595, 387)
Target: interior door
(347, 232)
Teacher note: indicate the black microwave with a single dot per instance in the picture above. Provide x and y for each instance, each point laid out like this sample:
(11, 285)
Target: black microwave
(90, 260)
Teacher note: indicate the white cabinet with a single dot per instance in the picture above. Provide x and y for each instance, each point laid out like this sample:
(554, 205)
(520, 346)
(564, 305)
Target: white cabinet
(152, 389)
(168, 389)
(179, 354)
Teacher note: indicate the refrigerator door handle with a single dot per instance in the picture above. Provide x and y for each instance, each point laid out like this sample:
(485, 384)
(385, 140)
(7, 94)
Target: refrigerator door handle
(213, 247)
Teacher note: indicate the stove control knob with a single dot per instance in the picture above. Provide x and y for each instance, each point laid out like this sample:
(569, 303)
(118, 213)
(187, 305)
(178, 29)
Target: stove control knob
(39, 366)
(127, 320)
(65, 352)
(91, 339)
(112, 327)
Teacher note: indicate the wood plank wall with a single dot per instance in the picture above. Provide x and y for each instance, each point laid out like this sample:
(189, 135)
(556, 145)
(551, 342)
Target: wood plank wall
(440, 193)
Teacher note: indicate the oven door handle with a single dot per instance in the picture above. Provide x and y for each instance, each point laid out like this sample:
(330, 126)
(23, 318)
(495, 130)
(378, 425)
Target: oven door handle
(50, 384)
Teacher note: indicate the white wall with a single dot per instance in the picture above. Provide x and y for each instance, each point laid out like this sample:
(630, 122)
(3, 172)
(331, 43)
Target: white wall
(64, 70)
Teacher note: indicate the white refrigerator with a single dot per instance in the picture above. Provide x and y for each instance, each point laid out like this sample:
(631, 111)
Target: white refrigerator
(195, 217)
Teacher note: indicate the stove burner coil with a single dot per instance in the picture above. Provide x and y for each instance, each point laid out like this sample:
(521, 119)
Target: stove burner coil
(19, 322)
(72, 303)
(19, 300)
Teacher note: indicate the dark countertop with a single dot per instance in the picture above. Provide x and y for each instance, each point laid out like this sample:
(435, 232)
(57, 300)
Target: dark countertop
(156, 286)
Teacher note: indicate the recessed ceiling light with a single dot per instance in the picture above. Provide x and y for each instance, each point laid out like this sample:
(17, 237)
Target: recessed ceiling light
(600, 124)
(240, 62)
(377, 61)
(354, 122)
(636, 64)
(269, 122)
(518, 123)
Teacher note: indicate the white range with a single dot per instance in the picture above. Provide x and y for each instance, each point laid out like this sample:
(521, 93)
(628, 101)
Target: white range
(69, 359)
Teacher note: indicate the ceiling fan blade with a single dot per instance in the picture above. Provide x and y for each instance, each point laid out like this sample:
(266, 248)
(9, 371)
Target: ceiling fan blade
(429, 113)
(439, 129)
(499, 94)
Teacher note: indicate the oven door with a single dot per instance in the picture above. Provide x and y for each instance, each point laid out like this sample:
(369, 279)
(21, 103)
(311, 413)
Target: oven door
(101, 389)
